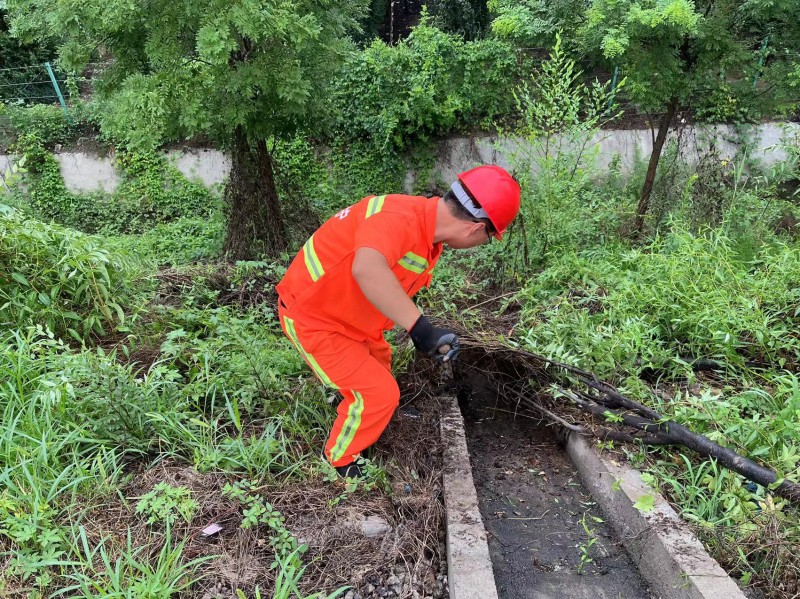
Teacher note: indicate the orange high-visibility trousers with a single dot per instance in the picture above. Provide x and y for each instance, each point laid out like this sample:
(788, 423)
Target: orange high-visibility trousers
(361, 371)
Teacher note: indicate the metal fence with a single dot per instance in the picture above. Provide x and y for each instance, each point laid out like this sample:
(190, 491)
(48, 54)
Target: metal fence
(27, 86)
(34, 84)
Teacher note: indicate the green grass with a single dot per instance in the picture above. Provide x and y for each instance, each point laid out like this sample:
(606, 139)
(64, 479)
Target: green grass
(640, 317)
(222, 390)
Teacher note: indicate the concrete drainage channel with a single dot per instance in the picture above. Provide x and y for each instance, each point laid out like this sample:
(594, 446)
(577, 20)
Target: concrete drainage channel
(521, 513)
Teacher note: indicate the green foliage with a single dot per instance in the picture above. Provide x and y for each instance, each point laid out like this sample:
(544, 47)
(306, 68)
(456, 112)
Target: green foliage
(585, 547)
(646, 40)
(641, 316)
(230, 357)
(46, 455)
(236, 405)
(684, 297)
(702, 53)
(373, 22)
(164, 503)
(152, 191)
(288, 554)
(58, 278)
(562, 207)
(338, 175)
(431, 83)
(289, 571)
(199, 68)
(71, 419)
(258, 511)
(535, 22)
(135, 573)
(45, 122)
(184, 240)
(15, 55)
(30, 525)
(468, 18)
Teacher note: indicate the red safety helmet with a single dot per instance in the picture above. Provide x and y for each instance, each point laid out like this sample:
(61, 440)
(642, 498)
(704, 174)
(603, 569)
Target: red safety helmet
(497, 193)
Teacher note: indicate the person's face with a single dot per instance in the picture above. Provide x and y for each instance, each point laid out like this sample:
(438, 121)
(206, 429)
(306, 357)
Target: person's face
(470, 235)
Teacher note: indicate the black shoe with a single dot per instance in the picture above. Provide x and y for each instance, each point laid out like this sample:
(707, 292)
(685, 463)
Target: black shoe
(353, 470)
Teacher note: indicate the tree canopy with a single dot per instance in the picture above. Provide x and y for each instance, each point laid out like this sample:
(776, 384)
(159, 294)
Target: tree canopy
(676, 52)
(198, 67)
(239, 72)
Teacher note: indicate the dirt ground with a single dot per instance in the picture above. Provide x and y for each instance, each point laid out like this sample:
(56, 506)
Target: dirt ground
(383, 542)
(534, 509)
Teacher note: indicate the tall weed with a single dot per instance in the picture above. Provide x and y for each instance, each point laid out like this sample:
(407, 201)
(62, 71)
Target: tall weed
(59, 278)
(562, 207)
(684, 297)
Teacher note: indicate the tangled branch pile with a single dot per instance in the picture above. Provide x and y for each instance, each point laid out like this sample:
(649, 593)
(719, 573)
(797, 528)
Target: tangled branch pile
(534, 382)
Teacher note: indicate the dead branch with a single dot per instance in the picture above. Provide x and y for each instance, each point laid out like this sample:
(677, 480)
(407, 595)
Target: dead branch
(604, 401)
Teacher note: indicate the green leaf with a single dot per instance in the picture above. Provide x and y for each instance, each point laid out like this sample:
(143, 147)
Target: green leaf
(645, 503)
(20, 278)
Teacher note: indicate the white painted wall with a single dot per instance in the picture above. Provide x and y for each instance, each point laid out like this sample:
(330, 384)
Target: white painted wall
(84, 172)
(459, 154)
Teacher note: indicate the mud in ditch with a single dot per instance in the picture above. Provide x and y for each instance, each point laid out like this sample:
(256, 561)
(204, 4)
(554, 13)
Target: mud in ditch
(533, 505)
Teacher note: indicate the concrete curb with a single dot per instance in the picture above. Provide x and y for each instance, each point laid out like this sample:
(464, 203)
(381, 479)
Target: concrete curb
(669, 557)
(470, 574)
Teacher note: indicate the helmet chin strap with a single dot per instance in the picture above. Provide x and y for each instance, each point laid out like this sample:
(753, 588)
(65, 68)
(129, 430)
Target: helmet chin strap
(467, 202)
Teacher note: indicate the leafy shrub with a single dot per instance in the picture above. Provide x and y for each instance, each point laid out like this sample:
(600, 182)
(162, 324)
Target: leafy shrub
(468, 18)
(685, 297)
(181, 241)
(164, 503)
(535, 22)
(338, 175)
(563, 208)
(151, 192)
(431, 83)
(46, 122)
(58, 278)
(230, 357)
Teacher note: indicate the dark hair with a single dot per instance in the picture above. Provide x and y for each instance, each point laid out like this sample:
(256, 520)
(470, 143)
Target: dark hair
(461, 213)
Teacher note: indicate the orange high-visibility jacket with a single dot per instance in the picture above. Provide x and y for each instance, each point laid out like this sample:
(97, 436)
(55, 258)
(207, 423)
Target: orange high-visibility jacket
(319, 288)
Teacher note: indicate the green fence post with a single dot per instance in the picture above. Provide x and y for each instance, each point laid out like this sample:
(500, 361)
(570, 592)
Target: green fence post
(54, 81)
(761, 58)
(613, 87)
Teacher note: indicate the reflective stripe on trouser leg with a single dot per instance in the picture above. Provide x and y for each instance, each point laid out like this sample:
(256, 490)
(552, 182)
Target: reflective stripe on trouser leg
(362, 417)
(350, 365)
(288, 324)
(348, 431)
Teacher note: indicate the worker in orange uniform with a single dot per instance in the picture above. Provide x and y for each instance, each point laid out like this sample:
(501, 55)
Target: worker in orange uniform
(354, 279)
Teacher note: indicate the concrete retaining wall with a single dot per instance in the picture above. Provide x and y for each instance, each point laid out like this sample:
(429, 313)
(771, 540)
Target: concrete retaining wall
(84, 172)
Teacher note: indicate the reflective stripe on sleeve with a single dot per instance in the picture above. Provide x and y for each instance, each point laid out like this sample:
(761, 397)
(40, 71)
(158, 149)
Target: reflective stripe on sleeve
(289, 323)
(375, 205)
(348, 432)
(313, 264)
(414, 263)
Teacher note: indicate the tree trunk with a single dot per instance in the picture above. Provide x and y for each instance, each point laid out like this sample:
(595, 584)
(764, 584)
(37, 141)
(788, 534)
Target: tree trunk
(658, 145)
(255, 223)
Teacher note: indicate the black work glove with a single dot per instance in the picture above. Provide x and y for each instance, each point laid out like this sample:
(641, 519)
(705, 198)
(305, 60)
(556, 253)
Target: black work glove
(440, 344)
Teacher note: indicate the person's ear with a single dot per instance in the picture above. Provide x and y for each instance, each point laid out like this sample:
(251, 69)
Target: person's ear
(468, 228)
